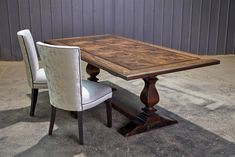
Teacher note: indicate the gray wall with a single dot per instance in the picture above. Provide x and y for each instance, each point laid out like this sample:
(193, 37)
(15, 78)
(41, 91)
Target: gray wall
(198, 26)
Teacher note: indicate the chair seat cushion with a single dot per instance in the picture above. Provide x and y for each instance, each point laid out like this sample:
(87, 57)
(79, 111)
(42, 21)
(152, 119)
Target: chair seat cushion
(94, 93)
(40, 76)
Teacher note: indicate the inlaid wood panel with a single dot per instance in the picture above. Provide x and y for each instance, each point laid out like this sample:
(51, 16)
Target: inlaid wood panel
(132, 59)
(127, 53)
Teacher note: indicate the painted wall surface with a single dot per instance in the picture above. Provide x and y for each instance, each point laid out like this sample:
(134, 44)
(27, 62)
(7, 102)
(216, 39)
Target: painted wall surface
(198, 26)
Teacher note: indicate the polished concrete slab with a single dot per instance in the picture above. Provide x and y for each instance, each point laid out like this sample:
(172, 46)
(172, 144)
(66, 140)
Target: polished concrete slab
(202, 100)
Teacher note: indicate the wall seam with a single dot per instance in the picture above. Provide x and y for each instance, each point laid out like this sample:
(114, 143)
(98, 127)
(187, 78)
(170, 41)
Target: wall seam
(162, 27)
(18, 6)
(143, 20)
(123, 19)
(93, 17)
(103, 15)
(62, 19)
(153, 19)
(190, 26)
(199, 25)
(40, 7)
(226, 28)
(52, 33)
(133, 27)
(172, 17)
(9, 25)
(208, 35)
(82, 19)
(218, 29)
(181, 29)
(72, 7)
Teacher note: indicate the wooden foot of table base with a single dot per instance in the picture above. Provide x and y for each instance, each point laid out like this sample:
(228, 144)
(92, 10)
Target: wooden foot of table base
(148, 119)
(143, 123)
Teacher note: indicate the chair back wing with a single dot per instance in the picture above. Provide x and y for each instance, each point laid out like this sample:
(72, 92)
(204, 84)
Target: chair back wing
(29, 55)
(62, 68)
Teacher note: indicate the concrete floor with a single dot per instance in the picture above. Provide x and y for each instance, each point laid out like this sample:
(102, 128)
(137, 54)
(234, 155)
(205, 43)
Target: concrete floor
(202, 100)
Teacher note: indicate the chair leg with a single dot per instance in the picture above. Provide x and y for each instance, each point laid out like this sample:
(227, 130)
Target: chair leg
(52, 121)
(80, 127)
(34, 96)
(109, 112)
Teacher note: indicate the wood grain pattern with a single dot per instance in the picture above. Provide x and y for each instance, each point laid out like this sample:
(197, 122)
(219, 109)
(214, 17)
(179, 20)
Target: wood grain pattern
(131, 59)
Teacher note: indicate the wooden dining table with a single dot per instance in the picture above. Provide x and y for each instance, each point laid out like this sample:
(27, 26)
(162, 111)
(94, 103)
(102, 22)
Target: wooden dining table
(131, 59)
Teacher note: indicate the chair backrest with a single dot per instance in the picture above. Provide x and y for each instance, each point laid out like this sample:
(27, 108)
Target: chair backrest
(63, 72)
(29, 55)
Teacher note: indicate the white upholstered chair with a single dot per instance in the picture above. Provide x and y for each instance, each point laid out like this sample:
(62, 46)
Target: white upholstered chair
(36, 76)
(67, 90)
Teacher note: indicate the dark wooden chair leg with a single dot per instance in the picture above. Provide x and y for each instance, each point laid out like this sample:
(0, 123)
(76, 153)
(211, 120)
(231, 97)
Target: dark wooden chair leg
(109, 112)
(80, 127)
(34, 96)
(52, 121)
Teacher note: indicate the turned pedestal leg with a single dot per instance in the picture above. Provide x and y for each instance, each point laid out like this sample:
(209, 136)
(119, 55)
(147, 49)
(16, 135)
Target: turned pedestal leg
(148, 119)
(93, 72)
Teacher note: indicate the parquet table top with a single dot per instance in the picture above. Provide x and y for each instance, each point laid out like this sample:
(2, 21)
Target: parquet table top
(131, 59)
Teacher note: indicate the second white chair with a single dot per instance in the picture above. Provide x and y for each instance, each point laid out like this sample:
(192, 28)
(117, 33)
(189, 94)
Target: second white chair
(67, 90)
(35, 75)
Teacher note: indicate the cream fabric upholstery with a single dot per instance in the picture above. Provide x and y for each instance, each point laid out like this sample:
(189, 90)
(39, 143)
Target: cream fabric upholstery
(40, 79)
(66, 89)
(94, 93)
(36, 77)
